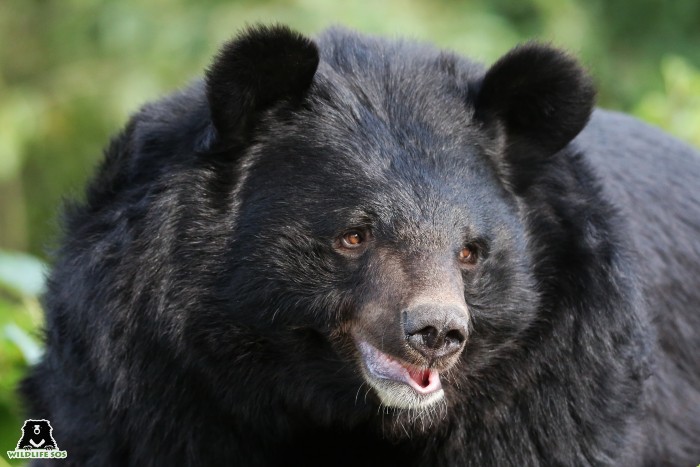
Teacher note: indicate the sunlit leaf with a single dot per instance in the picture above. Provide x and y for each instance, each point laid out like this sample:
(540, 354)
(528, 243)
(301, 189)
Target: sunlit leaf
(22, 272)
(31, 350)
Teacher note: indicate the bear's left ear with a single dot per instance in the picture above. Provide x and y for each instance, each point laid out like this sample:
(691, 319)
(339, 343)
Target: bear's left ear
(262, 66)
(542, 98)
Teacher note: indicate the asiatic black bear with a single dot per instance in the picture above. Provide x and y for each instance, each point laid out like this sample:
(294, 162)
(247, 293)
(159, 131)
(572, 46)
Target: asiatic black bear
(355, 251)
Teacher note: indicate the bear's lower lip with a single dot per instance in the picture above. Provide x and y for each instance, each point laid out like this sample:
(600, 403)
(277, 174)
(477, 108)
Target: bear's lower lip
(383, 366)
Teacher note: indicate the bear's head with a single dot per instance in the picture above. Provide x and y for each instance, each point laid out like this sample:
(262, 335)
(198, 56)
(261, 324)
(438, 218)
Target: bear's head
(374, 247)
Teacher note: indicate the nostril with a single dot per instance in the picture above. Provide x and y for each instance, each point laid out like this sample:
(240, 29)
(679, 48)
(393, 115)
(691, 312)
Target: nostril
(428, 331)
(427, 336)
(454, 337)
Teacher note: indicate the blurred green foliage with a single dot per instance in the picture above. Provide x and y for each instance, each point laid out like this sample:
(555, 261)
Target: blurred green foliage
(21, 281)
(71, 72)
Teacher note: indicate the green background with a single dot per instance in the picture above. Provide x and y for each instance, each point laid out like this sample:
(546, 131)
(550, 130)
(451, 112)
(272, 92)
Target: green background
(72, 71)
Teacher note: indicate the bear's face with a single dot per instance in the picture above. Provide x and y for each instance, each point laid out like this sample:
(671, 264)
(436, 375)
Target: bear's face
(379, 234)
(394, 250)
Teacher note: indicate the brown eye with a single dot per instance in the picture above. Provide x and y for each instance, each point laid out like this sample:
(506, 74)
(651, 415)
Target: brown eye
(467, 255)
(352, 239)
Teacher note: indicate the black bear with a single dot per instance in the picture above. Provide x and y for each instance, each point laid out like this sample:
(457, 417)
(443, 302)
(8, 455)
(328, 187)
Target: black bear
(355, 251)
(36, 434)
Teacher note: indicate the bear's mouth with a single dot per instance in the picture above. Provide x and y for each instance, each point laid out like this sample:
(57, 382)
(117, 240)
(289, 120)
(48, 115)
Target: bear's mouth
(399, 384)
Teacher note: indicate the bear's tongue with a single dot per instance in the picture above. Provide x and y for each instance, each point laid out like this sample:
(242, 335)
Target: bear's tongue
(421, 377)
(381, 365)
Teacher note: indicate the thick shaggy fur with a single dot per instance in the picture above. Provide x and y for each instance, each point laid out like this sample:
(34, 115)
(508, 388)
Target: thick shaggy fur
(200, 311)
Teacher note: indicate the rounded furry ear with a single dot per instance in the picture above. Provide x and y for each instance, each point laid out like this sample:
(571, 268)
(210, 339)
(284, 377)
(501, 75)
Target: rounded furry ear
(541, 96)
(260, 67)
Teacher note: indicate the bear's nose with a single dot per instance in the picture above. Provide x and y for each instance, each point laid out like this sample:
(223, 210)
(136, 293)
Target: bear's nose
(435, 331)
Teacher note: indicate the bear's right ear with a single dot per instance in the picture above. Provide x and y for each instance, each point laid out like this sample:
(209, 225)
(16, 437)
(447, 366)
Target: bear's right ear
(260, 67)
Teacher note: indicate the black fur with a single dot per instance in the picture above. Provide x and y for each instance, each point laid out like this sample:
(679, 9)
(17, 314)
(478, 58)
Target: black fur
(254, 71)
(202, 312)
(542, 98)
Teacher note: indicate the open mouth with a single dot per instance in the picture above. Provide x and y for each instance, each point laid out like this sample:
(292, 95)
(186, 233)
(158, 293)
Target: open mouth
(399, 384)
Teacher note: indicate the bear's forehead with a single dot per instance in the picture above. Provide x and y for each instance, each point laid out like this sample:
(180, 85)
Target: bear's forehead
(380, 131)
(420, 109)
(355, 155)
(398, 79)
